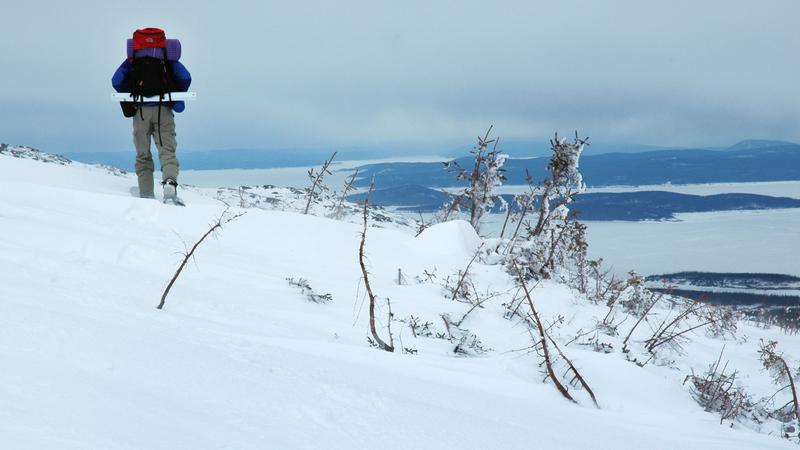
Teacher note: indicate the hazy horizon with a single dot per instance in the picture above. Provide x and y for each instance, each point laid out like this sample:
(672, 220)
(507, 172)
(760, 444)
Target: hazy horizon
(413, 75)
(517, 148)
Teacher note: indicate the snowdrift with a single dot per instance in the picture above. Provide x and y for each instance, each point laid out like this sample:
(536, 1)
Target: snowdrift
(239, 358)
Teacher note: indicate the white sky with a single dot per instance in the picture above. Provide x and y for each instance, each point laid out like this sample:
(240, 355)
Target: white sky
(412, 73)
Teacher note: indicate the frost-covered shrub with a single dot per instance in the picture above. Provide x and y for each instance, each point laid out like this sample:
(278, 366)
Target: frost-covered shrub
(469, 344)
(420, 329)
(551, 240)
(486, 175)
(308, 292)
(459, 287)
(723, 321)
(638, 298)
(775, 363)
(342, 207)
(318, 190)
(674, 327)
(719, 392)
(327, 204)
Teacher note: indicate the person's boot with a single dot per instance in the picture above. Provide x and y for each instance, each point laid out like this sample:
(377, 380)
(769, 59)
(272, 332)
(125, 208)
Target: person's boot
(171, 192)
(146, 185)
(170, 189)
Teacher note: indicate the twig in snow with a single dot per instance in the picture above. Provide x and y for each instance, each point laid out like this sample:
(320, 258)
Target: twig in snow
(543, 337)
(381, 344)
(221, 220)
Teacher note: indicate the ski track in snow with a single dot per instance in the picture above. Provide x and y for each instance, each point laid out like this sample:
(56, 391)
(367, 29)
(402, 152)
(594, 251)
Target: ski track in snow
(239, 359)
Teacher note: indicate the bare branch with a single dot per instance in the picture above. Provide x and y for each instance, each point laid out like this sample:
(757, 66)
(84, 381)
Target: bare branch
(316, 178)
(381, 344)
(543, 336)
(457, 288)
(217, 225)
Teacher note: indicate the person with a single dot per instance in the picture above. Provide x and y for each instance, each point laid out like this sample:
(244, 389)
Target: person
(152, 69)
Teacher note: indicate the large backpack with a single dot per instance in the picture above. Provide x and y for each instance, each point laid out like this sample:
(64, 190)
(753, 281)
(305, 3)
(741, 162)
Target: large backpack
(150, 76)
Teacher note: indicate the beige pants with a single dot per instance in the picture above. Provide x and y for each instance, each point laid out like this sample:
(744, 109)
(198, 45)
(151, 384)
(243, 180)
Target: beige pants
(145, 126)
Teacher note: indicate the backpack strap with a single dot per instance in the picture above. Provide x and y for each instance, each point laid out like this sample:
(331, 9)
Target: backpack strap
(161, 94)
(160, 142)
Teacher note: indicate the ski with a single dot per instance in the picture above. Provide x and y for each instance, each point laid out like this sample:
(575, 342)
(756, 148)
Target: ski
(176, 97)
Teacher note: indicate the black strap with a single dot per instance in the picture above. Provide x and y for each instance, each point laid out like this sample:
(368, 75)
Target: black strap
(160, 142)
(161, 94)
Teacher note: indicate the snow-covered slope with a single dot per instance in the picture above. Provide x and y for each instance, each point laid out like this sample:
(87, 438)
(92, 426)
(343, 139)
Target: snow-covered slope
(240, 359)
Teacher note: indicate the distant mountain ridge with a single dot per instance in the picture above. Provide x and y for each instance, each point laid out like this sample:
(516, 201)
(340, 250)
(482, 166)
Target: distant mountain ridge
(302, 157)
(627, 206)
(747, 161)
(750, 144)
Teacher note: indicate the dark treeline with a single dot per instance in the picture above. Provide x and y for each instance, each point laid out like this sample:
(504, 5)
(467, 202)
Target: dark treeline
(749, 164)
(735, 298)
(765, 281)
(630, 206)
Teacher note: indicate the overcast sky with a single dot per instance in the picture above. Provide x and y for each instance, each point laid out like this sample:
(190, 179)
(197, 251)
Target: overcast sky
(396, 74)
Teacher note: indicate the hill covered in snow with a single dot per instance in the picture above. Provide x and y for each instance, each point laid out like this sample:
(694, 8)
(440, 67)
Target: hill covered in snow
(264, 340)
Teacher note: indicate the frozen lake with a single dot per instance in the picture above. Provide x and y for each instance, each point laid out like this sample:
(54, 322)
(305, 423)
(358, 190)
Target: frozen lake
(772, 188)
(730, 241)
(288, 176)
(736, 241)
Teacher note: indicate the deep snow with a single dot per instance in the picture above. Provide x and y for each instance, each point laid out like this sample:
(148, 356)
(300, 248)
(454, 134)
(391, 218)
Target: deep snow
(240, 359)
(755, 241)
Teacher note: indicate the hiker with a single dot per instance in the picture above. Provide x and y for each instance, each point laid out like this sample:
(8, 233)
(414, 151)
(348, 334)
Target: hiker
(152, 69)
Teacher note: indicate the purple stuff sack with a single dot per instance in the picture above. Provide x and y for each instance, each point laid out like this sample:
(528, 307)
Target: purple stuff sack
(173, 51)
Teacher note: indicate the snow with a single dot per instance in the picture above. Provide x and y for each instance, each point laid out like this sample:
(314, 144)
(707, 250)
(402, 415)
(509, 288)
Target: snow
(765, 241)
(772, 188)
(239, 359)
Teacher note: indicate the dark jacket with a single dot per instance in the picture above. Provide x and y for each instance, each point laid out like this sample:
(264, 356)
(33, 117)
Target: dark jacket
(181, 77)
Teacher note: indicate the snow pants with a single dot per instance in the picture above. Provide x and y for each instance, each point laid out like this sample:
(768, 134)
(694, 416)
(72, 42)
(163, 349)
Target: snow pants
(145, 127)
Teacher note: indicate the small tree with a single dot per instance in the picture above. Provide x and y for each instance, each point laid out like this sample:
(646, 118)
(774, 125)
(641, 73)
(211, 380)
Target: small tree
(486, 175)
(217, 225)
(563, 184)
(318, 186)
(717, 390)
(339, 209)
(775, 363)
(542, 343)
(553, 235)
(380, 343)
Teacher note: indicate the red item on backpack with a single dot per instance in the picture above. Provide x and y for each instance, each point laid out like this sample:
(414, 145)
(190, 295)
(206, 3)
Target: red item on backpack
(149, 38)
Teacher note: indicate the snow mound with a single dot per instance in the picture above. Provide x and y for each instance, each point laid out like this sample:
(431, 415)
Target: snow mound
(456, 237)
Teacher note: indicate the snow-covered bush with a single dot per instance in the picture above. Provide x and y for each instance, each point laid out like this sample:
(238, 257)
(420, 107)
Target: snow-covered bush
(418, 328)
(486, 175)
(724, 321)
(774, 362)
(469, 344)
(308, 291)
(544, 244)
(720, 391)
(273, 198)
(340, 209)
(317, 189)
